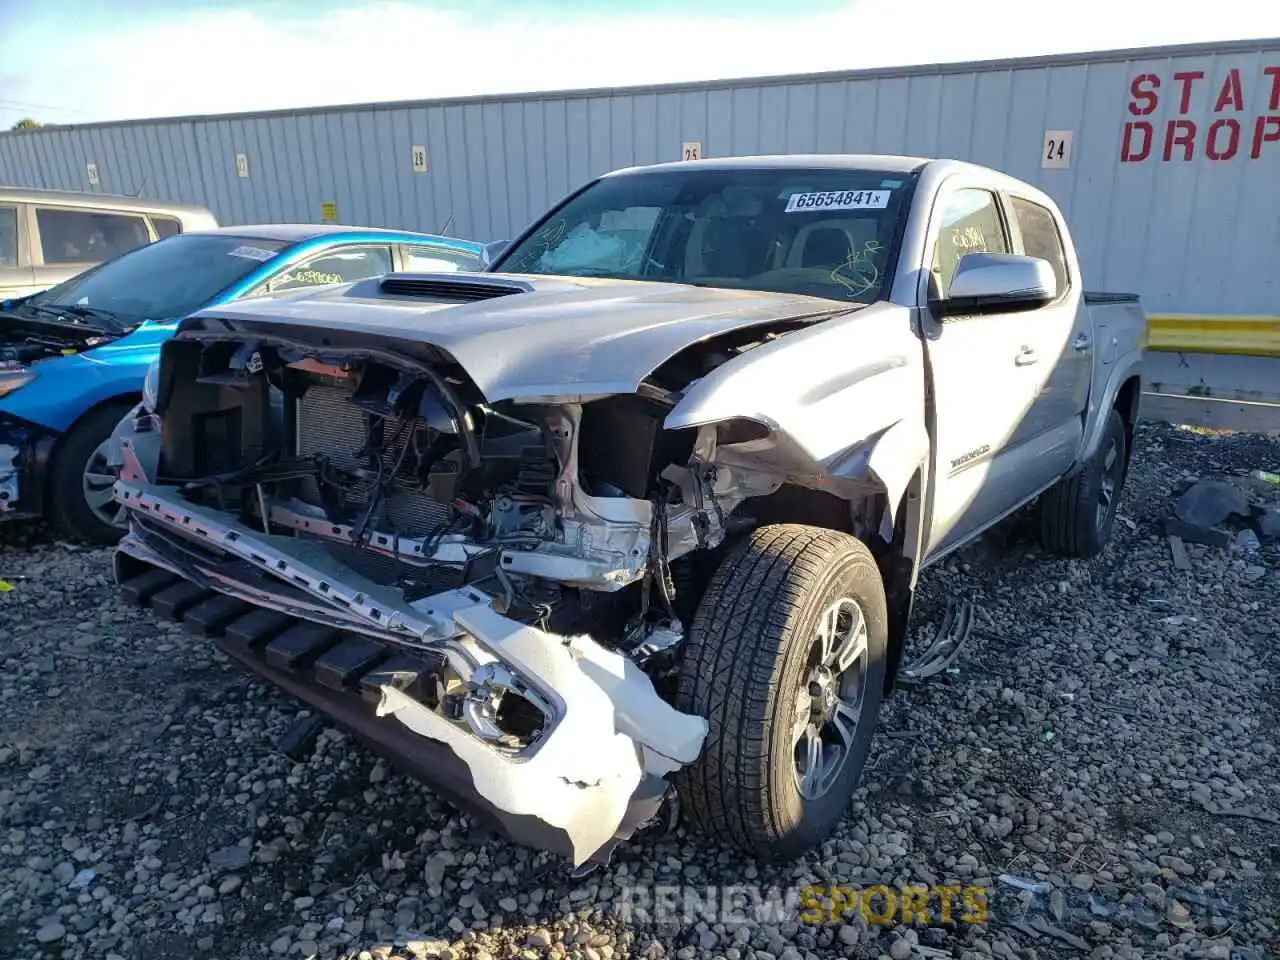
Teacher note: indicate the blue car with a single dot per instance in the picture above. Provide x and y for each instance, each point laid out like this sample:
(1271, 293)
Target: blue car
(73, 358)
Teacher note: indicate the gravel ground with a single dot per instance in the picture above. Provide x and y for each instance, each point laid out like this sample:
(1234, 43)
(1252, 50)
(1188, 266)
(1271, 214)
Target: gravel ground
(1110, 733)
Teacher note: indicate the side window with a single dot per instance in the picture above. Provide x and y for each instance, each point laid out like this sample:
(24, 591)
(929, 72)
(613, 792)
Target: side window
(1040, 237)
(343, 265)
(970, 224)
(166, 226)
(8, 236)
(88, 236)
(426, 259)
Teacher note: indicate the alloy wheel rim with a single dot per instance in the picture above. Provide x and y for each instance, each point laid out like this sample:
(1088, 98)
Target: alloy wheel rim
(1107, 488)
(829, 703)
(97, 483)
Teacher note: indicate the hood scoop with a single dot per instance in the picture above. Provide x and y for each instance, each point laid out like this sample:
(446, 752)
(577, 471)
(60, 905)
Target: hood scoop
(451, 286)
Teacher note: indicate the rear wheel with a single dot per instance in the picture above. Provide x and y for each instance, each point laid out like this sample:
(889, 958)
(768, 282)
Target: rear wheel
(80, 481)
(786, 660)
(1077, 513)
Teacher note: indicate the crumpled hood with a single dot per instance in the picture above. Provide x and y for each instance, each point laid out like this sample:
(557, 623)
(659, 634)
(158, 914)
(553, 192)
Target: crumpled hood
(556, 337)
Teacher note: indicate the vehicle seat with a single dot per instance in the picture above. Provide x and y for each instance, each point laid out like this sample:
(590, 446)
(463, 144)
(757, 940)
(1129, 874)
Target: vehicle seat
(825, 247)
(829, 243)
(728, 247)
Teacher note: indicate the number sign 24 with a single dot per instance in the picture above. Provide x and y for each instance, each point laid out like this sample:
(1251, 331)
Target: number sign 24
(1055, 152)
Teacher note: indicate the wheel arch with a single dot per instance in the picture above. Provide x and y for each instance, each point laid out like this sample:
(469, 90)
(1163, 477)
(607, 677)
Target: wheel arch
(120, 399)
(898, 557)
(1128, 398)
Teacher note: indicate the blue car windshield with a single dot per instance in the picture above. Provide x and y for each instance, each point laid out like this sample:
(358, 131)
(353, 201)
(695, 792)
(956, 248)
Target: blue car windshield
(164, 280)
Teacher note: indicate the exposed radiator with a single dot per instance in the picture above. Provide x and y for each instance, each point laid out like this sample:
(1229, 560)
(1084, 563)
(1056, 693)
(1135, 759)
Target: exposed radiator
(329, 424)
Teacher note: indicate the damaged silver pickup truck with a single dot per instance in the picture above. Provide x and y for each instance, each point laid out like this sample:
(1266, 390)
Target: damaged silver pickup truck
(632, 523)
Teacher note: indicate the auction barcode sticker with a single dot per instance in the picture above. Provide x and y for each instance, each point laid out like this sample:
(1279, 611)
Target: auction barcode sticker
(839, 200)
(252, 253)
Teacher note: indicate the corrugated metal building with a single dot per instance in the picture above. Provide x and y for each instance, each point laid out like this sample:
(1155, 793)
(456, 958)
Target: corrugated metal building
(1166, 161)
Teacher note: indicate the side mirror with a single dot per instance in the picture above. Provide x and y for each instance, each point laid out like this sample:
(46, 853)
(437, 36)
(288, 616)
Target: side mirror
(997, 282)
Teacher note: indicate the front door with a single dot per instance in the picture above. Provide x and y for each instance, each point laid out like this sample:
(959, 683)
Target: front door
(984, 377)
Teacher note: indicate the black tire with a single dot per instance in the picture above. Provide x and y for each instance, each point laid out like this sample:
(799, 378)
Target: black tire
(743, 667)
(1073, 519)
(66, 507)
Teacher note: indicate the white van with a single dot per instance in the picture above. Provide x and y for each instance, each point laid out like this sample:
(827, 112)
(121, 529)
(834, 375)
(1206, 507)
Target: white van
(47, 236)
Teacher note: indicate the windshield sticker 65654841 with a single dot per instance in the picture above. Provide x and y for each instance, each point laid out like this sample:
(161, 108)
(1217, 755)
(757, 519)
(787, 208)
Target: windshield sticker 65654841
(838, 200)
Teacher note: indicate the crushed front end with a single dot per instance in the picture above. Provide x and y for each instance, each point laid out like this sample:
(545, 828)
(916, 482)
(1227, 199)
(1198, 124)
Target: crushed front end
(483, 592)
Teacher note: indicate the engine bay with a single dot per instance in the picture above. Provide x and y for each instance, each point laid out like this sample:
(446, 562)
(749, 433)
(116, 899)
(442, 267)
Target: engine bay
(26, 340)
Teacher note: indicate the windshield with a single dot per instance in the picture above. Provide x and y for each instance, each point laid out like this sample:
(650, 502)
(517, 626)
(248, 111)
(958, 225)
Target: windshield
(164, 280)
(826, 233)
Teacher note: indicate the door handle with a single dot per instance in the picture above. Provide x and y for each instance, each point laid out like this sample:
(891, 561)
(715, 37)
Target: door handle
(1082, 342)
(1026, 356)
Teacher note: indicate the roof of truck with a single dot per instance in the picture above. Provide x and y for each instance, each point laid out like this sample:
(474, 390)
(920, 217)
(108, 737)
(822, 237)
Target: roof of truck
(792, 161)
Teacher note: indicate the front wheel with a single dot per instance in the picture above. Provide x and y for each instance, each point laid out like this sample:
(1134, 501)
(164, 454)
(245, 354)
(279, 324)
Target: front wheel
(786, 660)
(80, 504)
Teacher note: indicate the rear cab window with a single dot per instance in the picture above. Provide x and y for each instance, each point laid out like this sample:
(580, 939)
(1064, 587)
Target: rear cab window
(87, 236)
(1041, 237)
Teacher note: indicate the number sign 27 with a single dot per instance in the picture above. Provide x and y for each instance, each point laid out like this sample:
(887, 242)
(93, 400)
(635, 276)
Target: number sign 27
(1056, 150)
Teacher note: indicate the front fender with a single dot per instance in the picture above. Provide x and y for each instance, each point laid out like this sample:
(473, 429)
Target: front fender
(67, 387)
(890, 459)
(842, 400)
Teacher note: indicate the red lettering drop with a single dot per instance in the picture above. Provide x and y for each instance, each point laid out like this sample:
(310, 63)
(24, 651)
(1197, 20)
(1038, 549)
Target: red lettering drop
(1180, 133)
(1233, 143)
(1265, 130)
(1127, 152)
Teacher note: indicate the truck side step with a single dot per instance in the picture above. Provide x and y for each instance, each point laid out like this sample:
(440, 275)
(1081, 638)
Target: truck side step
(300, 645)
(210, 617)
(256, 629)
(172, 602)
(340, 666)
(348, 665)
(141, 588)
